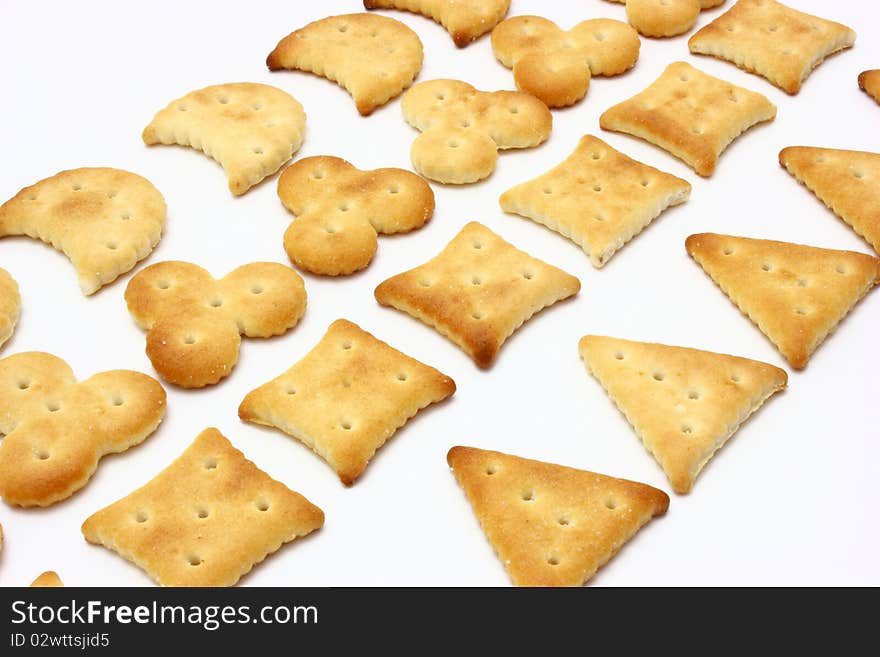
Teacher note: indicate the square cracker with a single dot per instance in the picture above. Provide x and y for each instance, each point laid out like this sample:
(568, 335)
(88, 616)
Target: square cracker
(691, 114)
(775, 41)
(206, 519)
(598, 197)
(347, 397)
(551, 525)
(477, 291)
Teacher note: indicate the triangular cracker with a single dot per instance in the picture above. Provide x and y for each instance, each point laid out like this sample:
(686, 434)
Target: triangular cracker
(477, 291)
(206, 519)
(848, 182)
(795, 294)
(105, 220)
(690, 114)
(551, 525)
(372, 57)
(10, 305)
(683, 403)
(347, 397)
(49, 579)
(250, 129)
(869, 82)
(773, 40)
(465, 20)
(597, 197)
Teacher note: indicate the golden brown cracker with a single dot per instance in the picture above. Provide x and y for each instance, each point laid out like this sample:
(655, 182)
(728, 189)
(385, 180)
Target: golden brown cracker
(772, 40)
(477, 291)
(869, 82)
(194, 322)
(597, 197)
(250, 129)
(690, 114)
(340, 209)
(205, 520)
(56, 430)
(347, 397)
(683, 403)
(372, 57)
(10, 305)
(662, 18)
(104, 220)
(551, 525)
(465, 20)
(795, 294)
(463, 128)
(49, 579)
(556, 65)
(848, 182)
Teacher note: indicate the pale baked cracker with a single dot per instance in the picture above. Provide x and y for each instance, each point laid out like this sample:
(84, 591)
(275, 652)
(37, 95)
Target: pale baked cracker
(372, 57)
(465, 20)
(104, 220)
(683, 403)
(556, 65)
(551, 525)
(463, 128)
(477, 291)
(772, 40)
(49, 579)
(205, 520)
(340, 209)
(597, 197)
(848, 182)
(692, 115)
(795, 294)
(704, 4)
(194, 322)
(662, 18)
(250, 129)
(346, 397)
(869, 82)
(56, 430)
(10, 305)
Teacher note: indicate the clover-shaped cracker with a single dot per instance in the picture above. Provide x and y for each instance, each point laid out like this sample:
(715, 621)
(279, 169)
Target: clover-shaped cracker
(10, 305)
(692, 115)
(250, 129)
(372, 57)
(104, 220)
(340, 209)
(56, 430)
(465, 20)
(775, 41)
(463, 128)
(665, 18)
(194, 322)
(477, 291)
(556, 65)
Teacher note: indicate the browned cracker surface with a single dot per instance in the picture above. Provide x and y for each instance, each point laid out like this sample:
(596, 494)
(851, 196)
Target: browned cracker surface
(465, 20)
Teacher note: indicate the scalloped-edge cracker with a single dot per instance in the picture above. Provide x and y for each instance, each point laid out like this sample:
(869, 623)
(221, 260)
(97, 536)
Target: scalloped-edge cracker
(465, 20)
(10, 305)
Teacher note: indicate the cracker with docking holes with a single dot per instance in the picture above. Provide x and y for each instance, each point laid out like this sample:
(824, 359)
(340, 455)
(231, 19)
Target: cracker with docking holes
(777, 42)
(465, 20)
(49, 579)
(346, 397)
(477, 291)
(340, 209)
(372, 57)
(205, 520)
(463, 128)
(683, 403)
(10, 305)
(194, 322)
(796, 295)
(845, 181)
(597, 197)
(56, 430)
(690, 114)
(250, 129)
(556, 65)
(551, 525)
(869, 82)
(104, 220)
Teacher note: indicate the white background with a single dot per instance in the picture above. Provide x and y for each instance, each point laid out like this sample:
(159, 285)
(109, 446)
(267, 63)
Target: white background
(791, 500)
